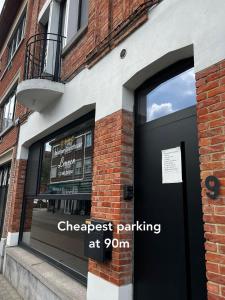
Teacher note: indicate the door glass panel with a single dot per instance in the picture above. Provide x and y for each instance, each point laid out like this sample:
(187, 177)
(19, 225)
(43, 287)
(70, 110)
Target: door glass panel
(172, 95)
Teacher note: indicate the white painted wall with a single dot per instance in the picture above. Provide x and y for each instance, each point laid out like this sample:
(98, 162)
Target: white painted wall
(109, 85)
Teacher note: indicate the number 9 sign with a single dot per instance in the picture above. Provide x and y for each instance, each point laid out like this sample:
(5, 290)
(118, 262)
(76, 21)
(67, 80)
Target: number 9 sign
(213, 186)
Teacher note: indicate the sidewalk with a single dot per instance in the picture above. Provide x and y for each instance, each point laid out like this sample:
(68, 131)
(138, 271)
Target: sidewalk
(7, 292)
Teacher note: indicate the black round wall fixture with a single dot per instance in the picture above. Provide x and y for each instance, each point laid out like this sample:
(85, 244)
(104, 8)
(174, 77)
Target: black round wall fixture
(123, 53)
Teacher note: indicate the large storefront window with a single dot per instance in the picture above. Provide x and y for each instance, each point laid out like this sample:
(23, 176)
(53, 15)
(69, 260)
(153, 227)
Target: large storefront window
(61, 168)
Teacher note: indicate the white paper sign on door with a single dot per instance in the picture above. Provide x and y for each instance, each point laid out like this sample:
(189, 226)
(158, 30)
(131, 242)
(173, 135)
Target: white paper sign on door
(171, 165)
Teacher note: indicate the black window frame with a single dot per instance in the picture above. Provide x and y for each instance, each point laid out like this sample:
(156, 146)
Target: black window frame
(83, 123)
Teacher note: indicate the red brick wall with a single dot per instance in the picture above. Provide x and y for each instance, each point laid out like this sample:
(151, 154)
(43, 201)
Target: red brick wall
(9, 139)
(7, 77)
(211, 126)
(15, 198)
(104, 18)
(113, 167)
(9, 201)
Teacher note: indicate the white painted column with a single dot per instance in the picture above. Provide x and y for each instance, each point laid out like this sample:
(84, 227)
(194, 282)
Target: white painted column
(100, 289)
(12, 239)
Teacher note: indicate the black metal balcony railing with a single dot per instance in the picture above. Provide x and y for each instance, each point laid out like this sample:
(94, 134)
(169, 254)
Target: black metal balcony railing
(43, 57)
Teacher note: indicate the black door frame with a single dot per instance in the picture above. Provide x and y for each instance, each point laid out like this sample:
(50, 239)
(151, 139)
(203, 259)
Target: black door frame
(139, 104)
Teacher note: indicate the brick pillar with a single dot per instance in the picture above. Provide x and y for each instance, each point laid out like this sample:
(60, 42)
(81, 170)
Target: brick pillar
(15, 200)
(211, 127)
(113, 167)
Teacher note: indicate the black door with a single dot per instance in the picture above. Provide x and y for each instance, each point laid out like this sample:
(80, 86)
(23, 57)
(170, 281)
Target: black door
(4, 179)
(169, 265)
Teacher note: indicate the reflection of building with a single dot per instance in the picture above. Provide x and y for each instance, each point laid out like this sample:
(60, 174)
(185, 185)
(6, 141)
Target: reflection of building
(77, 80)
(66, 168)
(71, 207)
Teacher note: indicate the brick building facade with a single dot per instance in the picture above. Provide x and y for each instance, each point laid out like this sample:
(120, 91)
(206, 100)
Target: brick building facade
(85, 75)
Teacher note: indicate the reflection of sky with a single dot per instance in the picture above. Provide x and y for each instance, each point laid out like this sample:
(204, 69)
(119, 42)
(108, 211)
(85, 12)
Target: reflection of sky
(48, 147)
(1, 5)
(173, 95)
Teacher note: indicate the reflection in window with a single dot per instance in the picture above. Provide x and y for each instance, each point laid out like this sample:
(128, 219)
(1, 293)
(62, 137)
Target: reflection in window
(78, 143)
(78, 167)
(41, 230)
(87, 165)
(75, 18)
(8, 112)
(83, 14)
(172, 95)
(17, 38)
(88, 140)
(64, 167)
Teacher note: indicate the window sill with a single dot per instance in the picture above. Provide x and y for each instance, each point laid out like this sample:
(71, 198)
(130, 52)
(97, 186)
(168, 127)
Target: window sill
(6, 130)
(74, 40)
(9, 64)
(51, 277)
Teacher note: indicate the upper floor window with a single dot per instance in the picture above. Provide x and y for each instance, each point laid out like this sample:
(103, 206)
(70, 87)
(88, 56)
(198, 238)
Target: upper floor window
(7, 112)
(75, 18)
(16, 38)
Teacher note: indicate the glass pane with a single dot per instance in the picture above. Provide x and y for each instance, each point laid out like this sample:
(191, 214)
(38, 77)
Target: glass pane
(19, 34)
(84, 13)
(78, 167)
(41, 230)
(5, 115)
(1, 174)
(88, 142)
(87, 165)
(64, 24)
(8, 113)
(23, 25)
(5, 176)
(10, 52)
(11, 107)
(172, 95)
(63, 169)
(17, 37)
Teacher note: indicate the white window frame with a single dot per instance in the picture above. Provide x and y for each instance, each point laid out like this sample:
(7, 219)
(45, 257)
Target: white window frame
(14, 42)
(72, 20)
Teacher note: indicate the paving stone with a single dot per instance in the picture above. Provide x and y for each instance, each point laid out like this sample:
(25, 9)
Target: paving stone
(7, 292)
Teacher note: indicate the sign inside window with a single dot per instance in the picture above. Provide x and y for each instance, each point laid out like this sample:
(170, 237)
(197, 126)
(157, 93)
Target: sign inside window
(69, 158)
(67, 165)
